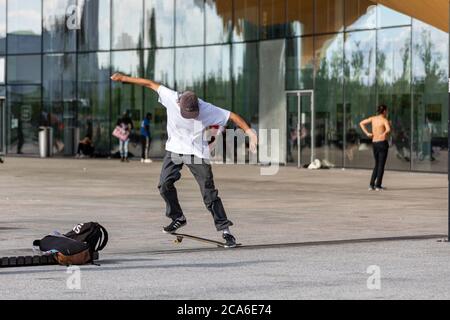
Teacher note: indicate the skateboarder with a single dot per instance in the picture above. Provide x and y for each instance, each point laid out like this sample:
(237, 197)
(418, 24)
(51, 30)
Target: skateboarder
(381, 129)
(187, 119)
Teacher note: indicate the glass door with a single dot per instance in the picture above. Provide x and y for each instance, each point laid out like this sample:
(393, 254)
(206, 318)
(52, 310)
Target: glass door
(300, 128)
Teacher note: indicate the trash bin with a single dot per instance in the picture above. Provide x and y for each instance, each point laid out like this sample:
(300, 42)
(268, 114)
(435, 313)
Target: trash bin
(45, 142)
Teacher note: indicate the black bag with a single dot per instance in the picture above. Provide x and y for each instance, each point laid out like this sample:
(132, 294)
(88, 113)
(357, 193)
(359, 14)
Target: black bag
(65, 250)
(94, 234)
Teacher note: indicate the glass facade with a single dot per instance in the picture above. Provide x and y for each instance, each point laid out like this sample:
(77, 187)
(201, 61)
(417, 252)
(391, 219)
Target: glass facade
(59, 99)
(56, 37)
(56, 58)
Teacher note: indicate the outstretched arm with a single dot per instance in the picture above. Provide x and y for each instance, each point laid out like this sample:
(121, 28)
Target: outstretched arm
(239, 122)
(139, 81)
(363, 125)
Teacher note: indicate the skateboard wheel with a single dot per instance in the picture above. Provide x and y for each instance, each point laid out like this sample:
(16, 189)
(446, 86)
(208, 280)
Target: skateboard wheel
(179, 239)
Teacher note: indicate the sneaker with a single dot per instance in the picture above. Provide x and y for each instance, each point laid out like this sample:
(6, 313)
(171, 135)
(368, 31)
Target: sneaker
(122, 159)
(142, 160)
(371, 188)
(174, 226)
(379, 189)
(148, 161)
(230, 240)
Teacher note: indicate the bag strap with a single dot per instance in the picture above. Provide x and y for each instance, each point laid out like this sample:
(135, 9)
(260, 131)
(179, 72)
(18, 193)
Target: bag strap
(103, 239)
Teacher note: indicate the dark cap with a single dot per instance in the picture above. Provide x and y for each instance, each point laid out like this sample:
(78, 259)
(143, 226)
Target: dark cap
(188, 102)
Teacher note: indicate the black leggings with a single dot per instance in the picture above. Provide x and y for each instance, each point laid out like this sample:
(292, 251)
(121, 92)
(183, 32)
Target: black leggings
(380, 153)
(145, 147)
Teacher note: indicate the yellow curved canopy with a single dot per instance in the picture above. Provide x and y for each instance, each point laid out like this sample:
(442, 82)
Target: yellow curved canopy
(433, 12)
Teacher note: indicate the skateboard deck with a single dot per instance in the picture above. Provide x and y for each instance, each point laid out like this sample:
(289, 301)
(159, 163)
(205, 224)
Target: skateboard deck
(180, 237)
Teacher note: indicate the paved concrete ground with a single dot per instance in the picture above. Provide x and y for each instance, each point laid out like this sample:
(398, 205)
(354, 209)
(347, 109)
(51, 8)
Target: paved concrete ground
(408, 270)
(38, 196)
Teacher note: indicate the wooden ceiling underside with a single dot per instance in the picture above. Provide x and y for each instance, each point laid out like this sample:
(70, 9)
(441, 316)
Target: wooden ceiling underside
(433, 12)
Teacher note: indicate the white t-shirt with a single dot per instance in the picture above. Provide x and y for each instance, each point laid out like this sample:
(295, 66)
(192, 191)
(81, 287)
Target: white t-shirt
(187, 136)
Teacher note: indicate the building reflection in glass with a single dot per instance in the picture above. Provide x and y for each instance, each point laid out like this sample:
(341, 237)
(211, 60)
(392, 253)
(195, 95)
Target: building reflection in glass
(25, 115)
(189, 69)
(190, 24)
(159, 23)
(95, 31)
(430, 112)
(245, 80)
(219, 21)
(127, 33)
(394, 90)
(354, 54)
(245, 26)
(24, 26)
(156, 67)
(94, 99)
(59, 100)
(329, 98)
(360, 94)
(56, 36)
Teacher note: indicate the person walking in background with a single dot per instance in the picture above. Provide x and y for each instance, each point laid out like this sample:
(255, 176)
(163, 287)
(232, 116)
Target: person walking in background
(381, 129)
(146, 139)
(126, 125)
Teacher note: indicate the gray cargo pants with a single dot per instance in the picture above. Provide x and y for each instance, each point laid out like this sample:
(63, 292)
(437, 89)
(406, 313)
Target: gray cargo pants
(202, 172)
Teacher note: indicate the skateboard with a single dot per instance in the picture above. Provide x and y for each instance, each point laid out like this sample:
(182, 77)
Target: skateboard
(180, 237)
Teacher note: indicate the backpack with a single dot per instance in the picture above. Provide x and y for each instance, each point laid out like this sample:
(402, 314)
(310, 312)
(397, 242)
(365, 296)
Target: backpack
(66, 251)
(94, 234)
(76, 247)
